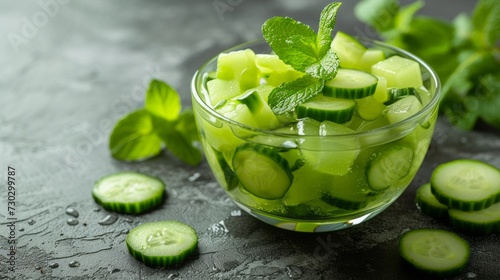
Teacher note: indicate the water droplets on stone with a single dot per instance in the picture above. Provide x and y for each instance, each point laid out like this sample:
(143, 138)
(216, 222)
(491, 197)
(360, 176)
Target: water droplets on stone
(194, 177)
(72, 222)
(471, 275)
(128, 220)
(53, 265)
(108, 220)
(115, 270)
(218, 230)
(31, 222)
(173, 275)
(236, 213)
(74, 264)
(293, 272)
(72, 212)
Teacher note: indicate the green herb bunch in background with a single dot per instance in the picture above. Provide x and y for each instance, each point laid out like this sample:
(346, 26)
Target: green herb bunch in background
(465, 53)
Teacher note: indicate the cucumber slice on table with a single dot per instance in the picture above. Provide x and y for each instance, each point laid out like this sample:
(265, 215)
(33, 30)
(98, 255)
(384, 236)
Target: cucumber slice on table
(465, 184)
(262, 171)
(129, 192)
(434, 252)
(162, 243)
(389, 166)
(351, 84)
(483, 221)
(322, 108)
(428, 204)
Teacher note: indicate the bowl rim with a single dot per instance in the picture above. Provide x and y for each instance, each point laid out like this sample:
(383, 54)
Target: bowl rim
(432, 105)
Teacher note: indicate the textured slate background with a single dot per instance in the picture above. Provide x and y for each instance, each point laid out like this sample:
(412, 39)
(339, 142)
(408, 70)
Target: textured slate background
(70, 69)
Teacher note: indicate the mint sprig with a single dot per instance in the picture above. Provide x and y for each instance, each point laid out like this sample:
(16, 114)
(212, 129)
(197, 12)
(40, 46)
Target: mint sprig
(299, 46)
(140, 134)
(464, 52)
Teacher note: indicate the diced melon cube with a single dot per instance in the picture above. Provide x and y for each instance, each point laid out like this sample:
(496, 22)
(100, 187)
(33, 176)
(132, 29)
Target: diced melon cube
(275, 70)
(219, 90)
(348, 49)
(381, 91)
(238, 112)
(402, 109)
(399, 72)
(240, 66)
(369, 58)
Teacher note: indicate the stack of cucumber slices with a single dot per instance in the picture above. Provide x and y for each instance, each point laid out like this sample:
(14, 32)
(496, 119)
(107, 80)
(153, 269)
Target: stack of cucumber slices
(467, 193)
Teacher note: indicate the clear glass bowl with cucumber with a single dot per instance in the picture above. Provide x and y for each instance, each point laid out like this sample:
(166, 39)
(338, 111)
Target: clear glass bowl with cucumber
(335, 160)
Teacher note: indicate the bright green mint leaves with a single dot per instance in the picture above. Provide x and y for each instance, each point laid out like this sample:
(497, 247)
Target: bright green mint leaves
(465, 52)
(306, 51)
(141, 134)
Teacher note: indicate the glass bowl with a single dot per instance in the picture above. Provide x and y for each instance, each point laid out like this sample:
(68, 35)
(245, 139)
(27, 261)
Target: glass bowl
(331, 175)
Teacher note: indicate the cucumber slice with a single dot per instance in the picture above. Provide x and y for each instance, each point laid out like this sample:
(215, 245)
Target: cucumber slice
(484, 221)
(307, 185)
(395, 94)
(402, 109)
(261, 112)
(162, 243)
(262, 171)
(350, 84)
(434, 252)
(428, 204)
(369, 108)
(220, 168)
(129, 192)
(322, 108)
(400, 72)
(465, 184)
(348, 192)
(389, 166)
(348, 49)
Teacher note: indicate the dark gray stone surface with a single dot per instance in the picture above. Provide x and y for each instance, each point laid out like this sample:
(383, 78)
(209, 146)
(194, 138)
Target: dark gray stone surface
(70, 69)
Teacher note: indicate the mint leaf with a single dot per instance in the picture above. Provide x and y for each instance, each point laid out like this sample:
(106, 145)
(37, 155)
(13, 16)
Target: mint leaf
(162, 100)
(406, 14)
(486, 22)
(287, 96)
(293, 41)
(327, 21)
(186, 124)
(179, 142)
(134, 137)
(300, 47)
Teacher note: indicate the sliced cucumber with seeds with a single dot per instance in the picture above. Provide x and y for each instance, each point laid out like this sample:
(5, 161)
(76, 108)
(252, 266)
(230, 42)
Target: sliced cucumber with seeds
(129, 192)
(162, 243)
(434, 252)
(465, 184)
(483, 221)
(351, 84)
(389, 166)
(428, 204)
(322, 108)
(262, 171)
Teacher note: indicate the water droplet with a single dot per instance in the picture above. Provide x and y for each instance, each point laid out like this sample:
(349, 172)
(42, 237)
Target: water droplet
(72, 222)
(128, 220)
(21, 229)
(293, 272)
(236, 213)
(471, 275)
(125, 231)
(74, 264)
(72, 212)
(38, 267)
(115, 270)
(31, 222)
(97, 210)
(173, 276)
(108, 220)
(194, 177)
(53, 265)
(218, 230)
